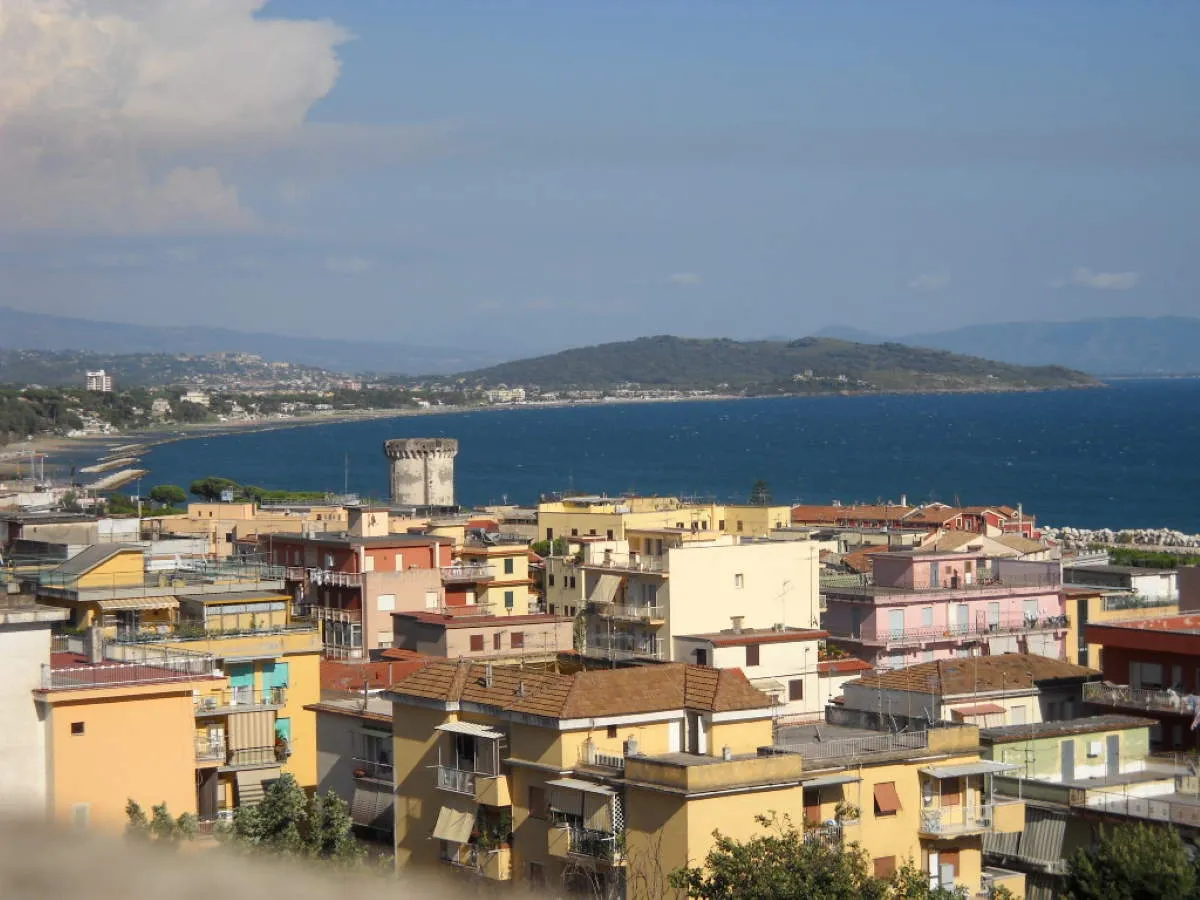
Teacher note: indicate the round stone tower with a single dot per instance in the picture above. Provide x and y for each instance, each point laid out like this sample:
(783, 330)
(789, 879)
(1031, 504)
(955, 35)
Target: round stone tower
(422, 470)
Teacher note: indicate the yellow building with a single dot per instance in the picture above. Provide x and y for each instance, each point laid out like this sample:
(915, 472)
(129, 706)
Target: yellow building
(223, 523)
(607, 780)
(611, 517)
(1096, 606)
(507, 588)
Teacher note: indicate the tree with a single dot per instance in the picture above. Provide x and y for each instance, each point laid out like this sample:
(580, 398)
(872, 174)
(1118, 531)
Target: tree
(1132, 862)
(760, 494)
(210, 488)
(168, 494)
(162, 827)
(290, 823)
(782, 865)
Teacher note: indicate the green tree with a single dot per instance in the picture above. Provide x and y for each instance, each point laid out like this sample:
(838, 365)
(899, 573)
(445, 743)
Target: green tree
(161, 827)
(760, 494)
(168, 494)
(210, 488)
(1133, 862)
(290, 823)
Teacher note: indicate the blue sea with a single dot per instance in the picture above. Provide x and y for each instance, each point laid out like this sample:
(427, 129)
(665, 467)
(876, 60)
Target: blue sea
(1123, 456)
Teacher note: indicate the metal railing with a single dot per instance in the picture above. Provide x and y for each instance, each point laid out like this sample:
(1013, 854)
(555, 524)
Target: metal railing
(592, 757)
(592, 844)
(114, 674)
(1123, 695)
(239, 699)
(456, 781)
(628, 649)
(258, 756)
(188, 632)
(331, 578)
(952, 820)
(1010, 625)
(860, 746)
(829, 835)
(632, 563)
(210, 750)
(468, 573)
(636, 613)
(371, 769)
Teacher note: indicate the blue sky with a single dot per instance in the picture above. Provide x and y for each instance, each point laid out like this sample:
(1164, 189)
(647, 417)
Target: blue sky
(548, 174)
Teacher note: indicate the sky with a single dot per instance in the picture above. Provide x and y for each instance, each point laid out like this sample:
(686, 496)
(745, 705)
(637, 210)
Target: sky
(538, 174)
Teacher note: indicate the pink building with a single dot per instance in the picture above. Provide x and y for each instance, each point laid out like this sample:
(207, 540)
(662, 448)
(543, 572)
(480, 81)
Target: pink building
(928, 606)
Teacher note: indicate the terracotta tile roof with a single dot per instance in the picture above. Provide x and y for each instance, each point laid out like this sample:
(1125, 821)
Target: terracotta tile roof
(951, 677)
(842, 666)
(338, 675)
(1020, 543)
(586, 694)
(834, 514)
(860, 560)
(931, 516)
(759, 636)
(469, 617)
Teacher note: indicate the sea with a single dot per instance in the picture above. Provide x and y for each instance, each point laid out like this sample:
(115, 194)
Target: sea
(1124, 456)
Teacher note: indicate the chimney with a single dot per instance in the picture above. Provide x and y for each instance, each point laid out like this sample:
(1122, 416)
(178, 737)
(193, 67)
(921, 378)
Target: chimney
(489, 676)
(93, 645)
(737, 623)
(904, 499)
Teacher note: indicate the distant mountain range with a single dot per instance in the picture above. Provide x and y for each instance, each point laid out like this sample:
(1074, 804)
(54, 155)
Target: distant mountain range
(37, 331)
(1132, 345)
(808, 365)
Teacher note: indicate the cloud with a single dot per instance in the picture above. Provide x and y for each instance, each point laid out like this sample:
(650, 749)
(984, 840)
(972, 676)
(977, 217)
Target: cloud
(684, 278)
(1099, 281)
(933, 281)
(347, 265)
(120, 116)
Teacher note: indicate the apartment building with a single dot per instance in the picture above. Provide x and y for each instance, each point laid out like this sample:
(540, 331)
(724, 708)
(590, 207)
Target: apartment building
(224, 525)
(98, 381)
(924, 606)
(635, 603)
(1010, 689)
(467, 632)
(930, 517)
(604, 781)
(610, 517)
(494, 568)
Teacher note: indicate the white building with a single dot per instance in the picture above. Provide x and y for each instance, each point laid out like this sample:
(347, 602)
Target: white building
(99, 381)
(193, 396)
(24, 649)
(636, 604)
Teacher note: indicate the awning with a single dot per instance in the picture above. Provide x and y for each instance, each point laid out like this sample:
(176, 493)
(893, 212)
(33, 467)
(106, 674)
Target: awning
(983, 767)
(887, 801)
(479, 731)
(831, 780)
(139, 603)
(372, 805)
(575, 784)
(980, 709)
(250, 788)
(769, 685)
(606, 588)
(455, 821)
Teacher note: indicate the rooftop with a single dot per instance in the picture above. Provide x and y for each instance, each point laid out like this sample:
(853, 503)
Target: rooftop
(584, 694)
(953, 677)
(476, 619)
(1181, 624)
(747, 636)
(1010, 733)
(342, 539)
(20, 609)
(1115, 570)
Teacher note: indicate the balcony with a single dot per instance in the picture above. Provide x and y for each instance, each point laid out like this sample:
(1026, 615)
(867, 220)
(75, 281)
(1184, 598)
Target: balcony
(619, 648)
(1124, 697)
(377, 771)
(853, 748)
(651, 615)
(236, 700)
(900, 637)
(952, 821)
(257, 757)
(456, 781)
(331, 578)
(632, 563)
(467, 574)
(210, 750)
(576, 843)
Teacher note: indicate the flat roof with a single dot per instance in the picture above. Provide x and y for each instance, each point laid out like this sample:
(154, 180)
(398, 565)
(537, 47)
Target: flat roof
(749, 636)
(237, 596)
(1006, 734)
(1117, 570)
(20, 609)
(341, 539)
(468, 620)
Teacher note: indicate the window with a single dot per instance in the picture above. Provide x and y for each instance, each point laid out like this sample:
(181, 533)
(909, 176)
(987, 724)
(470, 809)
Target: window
(720, 525)
(952, 792)
(509, 599)
(574, 532)
(885, 866)
(517, 640)
(612, 731)
(739, 580)
(496, 641)
(796, 689)
(592, 532)
(76, 728)
(609, 534)
(702, 657)
(537, 875)
(752, 654)
(387, 602)
(550, 579)
(927, 617)
(549, 534)
(477, 643)
(431, 599)
(887, 801)
(509, 565)
(739, 525)
(537, 802)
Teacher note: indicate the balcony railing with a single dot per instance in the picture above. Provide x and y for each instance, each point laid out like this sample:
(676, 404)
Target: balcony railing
(591, 844)
(456, 781)
(331, 578)
(210, 750)
(365, 768)
(632, 613)
(929, 634)
(593, 757)
(468, 573)
(239, 700)
(632, 563)
(829, 835)
(115, 674)
(850, 748)
(258, 756)
(947, 821)
(1122, 695)
(654, 648)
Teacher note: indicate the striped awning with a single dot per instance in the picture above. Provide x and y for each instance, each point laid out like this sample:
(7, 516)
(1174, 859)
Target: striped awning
(983, 767)
(373, 805)
(471, 728)
(139, 603)
(252, 730)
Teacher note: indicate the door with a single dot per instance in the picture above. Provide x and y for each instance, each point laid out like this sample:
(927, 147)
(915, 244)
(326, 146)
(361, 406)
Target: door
(241, 680)
(994, 614)
(1112, 757)
(693, 733)
(206, 793)
(1068, 760)
(896, 622)
(962, 618)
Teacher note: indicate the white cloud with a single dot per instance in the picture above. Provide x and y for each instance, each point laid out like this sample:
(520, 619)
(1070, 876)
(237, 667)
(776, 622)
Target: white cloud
(347, 265)
(684, 278)
(932, 281)
(118, 116)
(1100, 281)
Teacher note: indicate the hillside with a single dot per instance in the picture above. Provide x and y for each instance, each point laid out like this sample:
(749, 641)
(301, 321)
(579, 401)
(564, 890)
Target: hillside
(36, 331)
(808, 365)
(67, 368)
(1119, 346)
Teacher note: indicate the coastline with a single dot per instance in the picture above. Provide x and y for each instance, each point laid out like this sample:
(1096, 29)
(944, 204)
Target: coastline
(91, 450)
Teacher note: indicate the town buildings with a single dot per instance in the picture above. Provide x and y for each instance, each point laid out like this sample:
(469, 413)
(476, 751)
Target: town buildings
(925, 606)
(469, 633)
(98, 381)
(931, 517)
(611, 517)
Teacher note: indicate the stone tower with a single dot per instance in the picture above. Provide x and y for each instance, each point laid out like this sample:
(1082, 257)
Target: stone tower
(422, 470)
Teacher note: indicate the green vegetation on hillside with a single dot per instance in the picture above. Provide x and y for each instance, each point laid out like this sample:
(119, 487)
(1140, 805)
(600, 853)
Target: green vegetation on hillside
(1150, 559)
(808, 365)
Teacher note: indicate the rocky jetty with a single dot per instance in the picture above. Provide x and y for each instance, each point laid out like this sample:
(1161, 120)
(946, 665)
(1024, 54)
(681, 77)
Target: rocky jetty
(1157, 538)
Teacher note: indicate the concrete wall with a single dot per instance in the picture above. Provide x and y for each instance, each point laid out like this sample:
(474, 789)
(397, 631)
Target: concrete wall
(783, 662)
(1042, 758)
(24, 648)
(385, 592)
